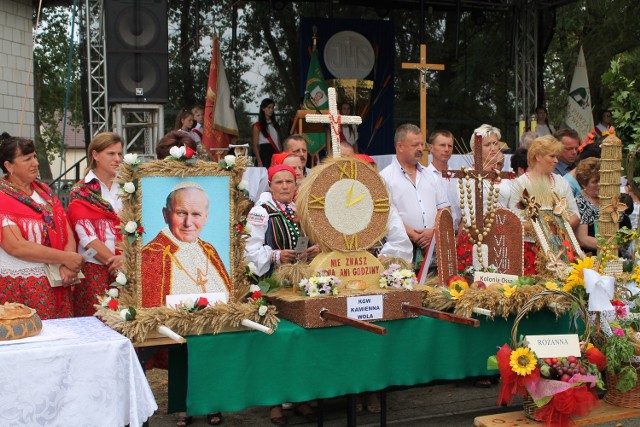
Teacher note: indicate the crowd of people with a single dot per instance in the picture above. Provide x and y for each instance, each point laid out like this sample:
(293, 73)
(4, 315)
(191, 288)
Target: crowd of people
(37, 232)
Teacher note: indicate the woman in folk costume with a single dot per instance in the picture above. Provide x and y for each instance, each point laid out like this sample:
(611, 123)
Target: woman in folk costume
(275, 228)
(34, 231)
(94, 205)
(266, 134)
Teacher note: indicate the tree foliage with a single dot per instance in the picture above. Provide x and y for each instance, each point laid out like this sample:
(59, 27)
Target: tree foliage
(50, 60)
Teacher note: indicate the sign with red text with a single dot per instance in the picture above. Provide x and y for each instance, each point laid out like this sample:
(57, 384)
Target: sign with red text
(350, 266)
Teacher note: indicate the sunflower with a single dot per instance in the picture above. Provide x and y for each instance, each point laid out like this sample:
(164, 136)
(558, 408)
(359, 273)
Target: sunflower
(522, 361)
(636, 275)
(576, 278)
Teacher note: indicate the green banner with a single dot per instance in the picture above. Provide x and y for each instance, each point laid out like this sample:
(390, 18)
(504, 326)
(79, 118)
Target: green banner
(316, 87)
(315, 98)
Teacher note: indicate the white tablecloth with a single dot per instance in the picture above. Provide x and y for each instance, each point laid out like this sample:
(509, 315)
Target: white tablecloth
(90, 376)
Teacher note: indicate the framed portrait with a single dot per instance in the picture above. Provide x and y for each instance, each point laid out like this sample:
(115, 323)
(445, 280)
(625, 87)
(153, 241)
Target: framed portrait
(183, 240)
(557, 241)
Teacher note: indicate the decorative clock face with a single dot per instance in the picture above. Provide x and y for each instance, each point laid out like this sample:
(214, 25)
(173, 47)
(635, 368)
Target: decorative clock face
(348, 205)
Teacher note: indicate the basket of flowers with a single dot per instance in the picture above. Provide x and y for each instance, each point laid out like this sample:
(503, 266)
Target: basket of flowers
(554, 389)
(621, 346)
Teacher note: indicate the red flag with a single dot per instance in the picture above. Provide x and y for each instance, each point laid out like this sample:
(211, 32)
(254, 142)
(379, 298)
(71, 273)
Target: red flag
(220, 127)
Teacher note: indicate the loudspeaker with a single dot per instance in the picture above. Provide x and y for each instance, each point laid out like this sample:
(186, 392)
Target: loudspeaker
(137, 51)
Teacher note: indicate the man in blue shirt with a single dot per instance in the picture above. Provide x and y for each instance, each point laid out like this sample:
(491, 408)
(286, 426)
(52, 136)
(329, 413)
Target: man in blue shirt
(567, 158)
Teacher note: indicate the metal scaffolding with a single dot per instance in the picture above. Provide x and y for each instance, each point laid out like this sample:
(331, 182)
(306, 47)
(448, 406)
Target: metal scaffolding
(93, 26)
(526, 54)
(140, 125)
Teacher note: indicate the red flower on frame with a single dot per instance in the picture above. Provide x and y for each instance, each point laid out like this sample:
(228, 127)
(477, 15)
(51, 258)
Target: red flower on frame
(113, 304)
(256, 295)
(140, 230)
(189, 152)
(202, 302)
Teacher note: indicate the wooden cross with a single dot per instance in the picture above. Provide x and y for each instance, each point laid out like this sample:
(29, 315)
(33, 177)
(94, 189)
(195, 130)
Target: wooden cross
(423, 67)
(479, 175)
(335, 120)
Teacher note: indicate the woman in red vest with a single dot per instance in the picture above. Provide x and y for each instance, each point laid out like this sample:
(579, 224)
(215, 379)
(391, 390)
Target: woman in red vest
(94, 205)
(34, 231)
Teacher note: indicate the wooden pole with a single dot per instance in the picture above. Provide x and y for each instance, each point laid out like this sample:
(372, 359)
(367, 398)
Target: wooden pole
(441, 315)
(359, 324)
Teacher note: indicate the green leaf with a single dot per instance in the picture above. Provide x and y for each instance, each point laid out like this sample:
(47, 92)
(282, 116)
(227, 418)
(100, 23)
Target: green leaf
(627, 379)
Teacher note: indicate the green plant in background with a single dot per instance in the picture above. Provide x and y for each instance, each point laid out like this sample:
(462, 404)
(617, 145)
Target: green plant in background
(625, 103)
(625, 111)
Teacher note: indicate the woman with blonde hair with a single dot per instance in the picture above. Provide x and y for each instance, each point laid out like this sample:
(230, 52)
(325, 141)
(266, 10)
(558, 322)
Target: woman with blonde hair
(548, 188)
(34, 231)
(94, 205)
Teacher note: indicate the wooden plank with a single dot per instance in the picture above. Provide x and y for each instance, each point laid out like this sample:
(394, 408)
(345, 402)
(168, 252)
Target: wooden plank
(603, 414)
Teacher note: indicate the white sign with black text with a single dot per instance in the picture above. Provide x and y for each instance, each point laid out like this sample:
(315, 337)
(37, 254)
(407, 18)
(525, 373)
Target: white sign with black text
(554, 345)
(365, 307)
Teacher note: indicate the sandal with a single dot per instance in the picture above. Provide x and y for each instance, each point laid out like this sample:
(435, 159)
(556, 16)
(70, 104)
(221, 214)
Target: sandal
(183, 420)
(215, 419)
(279, 420)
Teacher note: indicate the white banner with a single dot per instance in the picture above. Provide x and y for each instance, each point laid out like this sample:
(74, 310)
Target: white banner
(579, 116)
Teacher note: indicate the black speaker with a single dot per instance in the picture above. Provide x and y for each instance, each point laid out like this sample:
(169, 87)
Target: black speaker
(137, 51)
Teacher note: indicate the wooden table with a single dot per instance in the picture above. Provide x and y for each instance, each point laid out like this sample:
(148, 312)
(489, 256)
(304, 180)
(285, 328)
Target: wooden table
(603, 414)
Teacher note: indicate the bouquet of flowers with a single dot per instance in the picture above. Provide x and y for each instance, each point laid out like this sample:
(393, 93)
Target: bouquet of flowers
(396, 277)
(621, 345)
(321, 284)
(559, 387)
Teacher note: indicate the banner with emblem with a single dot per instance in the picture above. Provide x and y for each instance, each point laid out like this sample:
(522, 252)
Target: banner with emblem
(315, 98)
(579, 115)
(220, 127)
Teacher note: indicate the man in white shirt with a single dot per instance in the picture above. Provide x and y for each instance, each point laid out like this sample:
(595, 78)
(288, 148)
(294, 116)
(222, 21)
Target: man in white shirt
(411, 188)
(440, 145)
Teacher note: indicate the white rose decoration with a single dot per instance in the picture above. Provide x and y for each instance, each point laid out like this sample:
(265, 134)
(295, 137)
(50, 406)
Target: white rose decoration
(177, 152)
(252, 269)
(262, 310)
(113, 292)
(129, 187)
(188, 303)
(243, 185)
(247, 228)
(254, 288)
(121, 278)
(130, 158)
(131, 227)
(230, 160)
(123, 313)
